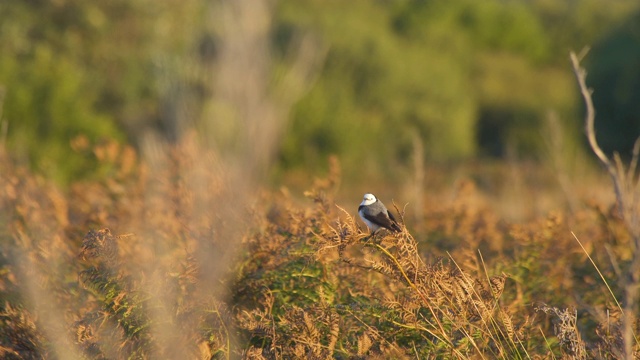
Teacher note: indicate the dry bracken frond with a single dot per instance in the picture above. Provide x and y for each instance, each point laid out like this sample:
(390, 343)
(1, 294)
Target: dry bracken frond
(566, 331)
(364, 344)
(307, 281)
(497, 285)
(101, 245)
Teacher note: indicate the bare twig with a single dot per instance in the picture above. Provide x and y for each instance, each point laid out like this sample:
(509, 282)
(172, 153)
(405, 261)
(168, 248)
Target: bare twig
(581, 75)
(626, 198)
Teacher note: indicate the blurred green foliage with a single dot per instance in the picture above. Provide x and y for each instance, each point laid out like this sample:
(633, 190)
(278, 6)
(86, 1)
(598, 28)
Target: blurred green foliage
(49, 98)
(615, 78)
(470, 78)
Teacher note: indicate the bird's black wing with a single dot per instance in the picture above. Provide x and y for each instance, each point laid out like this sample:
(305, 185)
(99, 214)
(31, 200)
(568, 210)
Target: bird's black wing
(391, 216)
(394, 222)
(385, 220)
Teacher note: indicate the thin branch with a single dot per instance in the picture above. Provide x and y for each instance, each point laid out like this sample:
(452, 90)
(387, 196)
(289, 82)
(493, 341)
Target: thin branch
(581, 75)
(631, 279)
(632, 179)
(634, 162)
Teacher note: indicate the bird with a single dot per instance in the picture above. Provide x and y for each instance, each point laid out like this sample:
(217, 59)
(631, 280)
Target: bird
(376, 216)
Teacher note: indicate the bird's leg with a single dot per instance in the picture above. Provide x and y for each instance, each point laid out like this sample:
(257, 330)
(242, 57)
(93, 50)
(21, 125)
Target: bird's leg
(376, 235)
(372, 234)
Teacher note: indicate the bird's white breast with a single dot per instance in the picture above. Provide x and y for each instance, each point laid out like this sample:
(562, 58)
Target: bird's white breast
(371, 225)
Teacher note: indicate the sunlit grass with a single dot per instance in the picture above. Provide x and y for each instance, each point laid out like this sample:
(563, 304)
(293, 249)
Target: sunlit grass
(300, 279)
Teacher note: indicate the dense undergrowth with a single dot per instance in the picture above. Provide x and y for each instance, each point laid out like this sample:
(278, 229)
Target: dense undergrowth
(148, 264)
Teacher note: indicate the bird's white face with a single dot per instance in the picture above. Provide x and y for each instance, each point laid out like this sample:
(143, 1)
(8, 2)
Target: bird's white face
(368, 199)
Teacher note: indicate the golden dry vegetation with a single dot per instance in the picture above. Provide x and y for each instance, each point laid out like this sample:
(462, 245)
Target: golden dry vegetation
(178, 250)
(157, 261)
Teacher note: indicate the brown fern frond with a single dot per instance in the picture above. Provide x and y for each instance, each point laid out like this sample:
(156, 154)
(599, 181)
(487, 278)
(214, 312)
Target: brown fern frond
(101, 245)
(334, 332)
(507, 322)
(497, 284)
(567, 331)
(364, 344)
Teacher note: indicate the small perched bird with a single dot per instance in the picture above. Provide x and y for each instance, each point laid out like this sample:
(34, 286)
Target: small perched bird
(376, 216)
